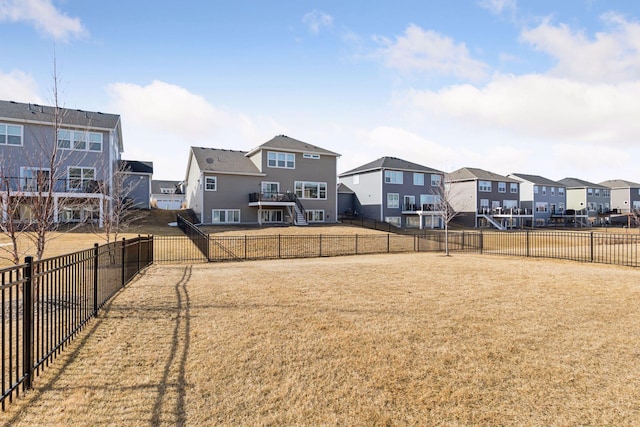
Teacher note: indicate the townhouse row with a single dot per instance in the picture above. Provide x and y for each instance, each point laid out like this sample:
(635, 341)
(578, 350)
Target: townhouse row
(283, 181)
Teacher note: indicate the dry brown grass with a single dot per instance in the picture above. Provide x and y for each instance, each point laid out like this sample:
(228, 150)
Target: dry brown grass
(410, 339)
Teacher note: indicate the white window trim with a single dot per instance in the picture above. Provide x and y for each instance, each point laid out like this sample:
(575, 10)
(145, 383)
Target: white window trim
(417, 177)
(395, 198)
(87, 140)
(485, 188)
(6, 135)
(502, 187)
(286, 161)
(311, 156)
(300, 192)
(226, 215)
(436, 182)
(215, 183)
(389, 176)
(312, 215)
(82, 179)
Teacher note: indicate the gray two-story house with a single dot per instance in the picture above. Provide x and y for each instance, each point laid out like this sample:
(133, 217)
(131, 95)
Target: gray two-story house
(625, 199)
(545, 198)
(72, 162)
(283, 181)
(593, 201)
(396, 191)
(486, 199)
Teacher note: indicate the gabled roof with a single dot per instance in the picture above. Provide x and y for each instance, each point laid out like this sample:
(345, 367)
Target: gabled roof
(224, 161)
(343, 189)
(579, 183)
(157, 185)
(536, 179)
(35, 113)
(620, 183)
(391, 163)
(475, 174)
(137, 166)
(284, 143)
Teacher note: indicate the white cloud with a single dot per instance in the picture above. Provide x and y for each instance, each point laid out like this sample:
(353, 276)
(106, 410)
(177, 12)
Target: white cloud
(44, 16)
(18, 86)
(498, 6)
(541, 107)
(426, 51)
(161, 121)
(610, 56)
(316, 19)
(584, 161)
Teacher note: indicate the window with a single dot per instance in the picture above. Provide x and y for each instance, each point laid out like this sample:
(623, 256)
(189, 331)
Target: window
(597, 192)
(393, 177)
(281, 160)
(560, 191)
(409, 203)
(592, 206)
(167, 190)
(393, 200)
(544, 190)
(535, 189)
(316, 215)
(418, 179)
(79, 178)
(10, 134)
(394, 220)
(311, 190)
(225, 216)
(270, 189)
(79, 140)
(513, 188)
(413, 221)
(590, 191)
(541, 207)
(553, 191)
(34, 179)
(271, 215)
(356, 179)
(606, 193)
(436, 180)
(210, 183)
(311, 156)
(502, 187)
(484, 186)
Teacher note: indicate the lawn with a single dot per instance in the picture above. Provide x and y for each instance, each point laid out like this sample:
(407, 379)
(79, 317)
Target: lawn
(399, 339)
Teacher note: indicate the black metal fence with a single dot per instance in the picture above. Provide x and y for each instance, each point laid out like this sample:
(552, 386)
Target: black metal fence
(45, 303)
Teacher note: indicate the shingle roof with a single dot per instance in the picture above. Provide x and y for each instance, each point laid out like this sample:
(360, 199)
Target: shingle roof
(391, 163)
(137, 166)
(283, 142)
(473, 174)
(224, 161)
(157, 185)
(342, 188)
(620, 183)
(537, 179)
(45, 114)
(579, 183)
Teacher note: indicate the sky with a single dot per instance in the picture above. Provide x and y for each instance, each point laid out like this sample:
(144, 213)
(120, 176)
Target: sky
(540, 87)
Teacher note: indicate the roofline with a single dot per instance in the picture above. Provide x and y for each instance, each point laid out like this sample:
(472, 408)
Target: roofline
(62, 125)
(204, 172)
(381, 168)
(323, 153)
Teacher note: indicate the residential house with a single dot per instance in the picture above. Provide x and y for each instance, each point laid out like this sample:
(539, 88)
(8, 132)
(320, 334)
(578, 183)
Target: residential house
(587, 200)
(87, 146)
(484, 199)
(625, 199)
(167, 194)
(397, 191)
(545, 198)
(283, 181)
(136, 183)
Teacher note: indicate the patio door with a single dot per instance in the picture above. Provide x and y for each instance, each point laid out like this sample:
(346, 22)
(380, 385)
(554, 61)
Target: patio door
(270, 190)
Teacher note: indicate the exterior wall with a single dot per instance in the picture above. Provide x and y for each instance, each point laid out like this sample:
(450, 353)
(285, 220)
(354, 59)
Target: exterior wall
(407, 188)
(621, 195)
(601, 202)
(368, 197)
(463, 197)
(346, 203)
(232, 192)
(576, 198)
(140, 188)
(552, 199)
(193, 188)
(307, 170)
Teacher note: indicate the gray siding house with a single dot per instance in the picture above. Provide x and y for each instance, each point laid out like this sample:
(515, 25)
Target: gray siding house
(167, 194)
(283, 181)
(485, 199)
(87, 148)
(546, 199)
(625, 198)
(137, 182)
(591, 201)
(396, 191)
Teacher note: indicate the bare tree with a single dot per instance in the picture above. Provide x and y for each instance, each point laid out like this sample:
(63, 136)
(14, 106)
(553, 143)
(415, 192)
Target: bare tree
(12, 200)
(444, 207)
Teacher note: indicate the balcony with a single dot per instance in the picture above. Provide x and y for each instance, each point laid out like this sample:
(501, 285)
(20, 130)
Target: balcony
(414, 208)
(33, 185)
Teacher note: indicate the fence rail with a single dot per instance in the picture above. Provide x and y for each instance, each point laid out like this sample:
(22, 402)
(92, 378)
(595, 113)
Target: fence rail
(45, 303)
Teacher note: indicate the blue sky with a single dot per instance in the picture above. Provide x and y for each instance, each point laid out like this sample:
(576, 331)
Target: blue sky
(538, 87)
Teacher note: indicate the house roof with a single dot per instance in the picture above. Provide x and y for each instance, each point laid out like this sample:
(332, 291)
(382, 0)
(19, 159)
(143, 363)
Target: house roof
(391, 163)
(536, 179)
(579, 183)
(36, 113)
(620, 183)
(137, 166)
(157, 185)
(474, 174)
(283, 142)
(224, 161)
(343, 189)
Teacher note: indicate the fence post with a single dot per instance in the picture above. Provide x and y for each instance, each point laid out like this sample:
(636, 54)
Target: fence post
(320, 245)
(481, 242)
(279, 246)
(124, 248)
(528, 244)
(591, 239)
(356, 244)
(27, 324)
(388, 246)
(139, 242)
(95, 279)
